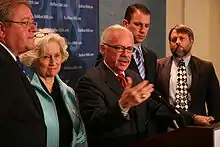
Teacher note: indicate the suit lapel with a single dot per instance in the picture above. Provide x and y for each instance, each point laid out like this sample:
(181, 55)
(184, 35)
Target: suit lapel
(133, 65)
(29, 89)
(195, 70)
(165, 73)
(147, 64)
(113, 83)
(147, 61)
(110, 79)
(24, 79)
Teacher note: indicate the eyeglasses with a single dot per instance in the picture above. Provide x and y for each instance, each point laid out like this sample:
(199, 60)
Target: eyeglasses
(23, 23)
(120, 48)
(41, 34)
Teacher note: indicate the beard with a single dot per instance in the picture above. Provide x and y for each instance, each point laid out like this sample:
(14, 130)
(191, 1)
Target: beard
(179, 53)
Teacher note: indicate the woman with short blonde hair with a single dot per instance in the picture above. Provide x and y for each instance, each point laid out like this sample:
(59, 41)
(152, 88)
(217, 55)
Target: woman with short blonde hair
(61, 113)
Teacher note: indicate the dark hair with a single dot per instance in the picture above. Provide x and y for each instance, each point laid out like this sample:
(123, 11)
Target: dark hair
(133, 8)
(182, 29)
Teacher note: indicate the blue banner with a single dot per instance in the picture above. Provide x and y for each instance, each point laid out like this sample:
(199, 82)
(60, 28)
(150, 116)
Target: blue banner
(77, 21)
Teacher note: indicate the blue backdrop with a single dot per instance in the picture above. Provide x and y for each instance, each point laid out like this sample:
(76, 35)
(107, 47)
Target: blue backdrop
(77, 21)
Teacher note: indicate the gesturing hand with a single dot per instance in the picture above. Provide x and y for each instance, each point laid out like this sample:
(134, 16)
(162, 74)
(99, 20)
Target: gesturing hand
(133, 96)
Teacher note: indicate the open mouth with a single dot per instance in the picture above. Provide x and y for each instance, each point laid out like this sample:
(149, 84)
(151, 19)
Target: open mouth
(124, 60)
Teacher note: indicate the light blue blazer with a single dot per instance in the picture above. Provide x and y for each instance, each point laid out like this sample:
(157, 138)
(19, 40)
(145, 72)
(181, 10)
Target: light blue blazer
(50, 112)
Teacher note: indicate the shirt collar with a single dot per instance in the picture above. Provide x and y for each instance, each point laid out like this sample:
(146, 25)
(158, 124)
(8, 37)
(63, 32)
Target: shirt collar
(185, 59)
(112, 69)
(137, 48)
(14, 57)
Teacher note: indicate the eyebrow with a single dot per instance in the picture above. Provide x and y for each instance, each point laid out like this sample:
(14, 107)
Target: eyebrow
(29, 18)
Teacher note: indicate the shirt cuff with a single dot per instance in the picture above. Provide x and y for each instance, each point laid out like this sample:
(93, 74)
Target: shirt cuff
(124, 111)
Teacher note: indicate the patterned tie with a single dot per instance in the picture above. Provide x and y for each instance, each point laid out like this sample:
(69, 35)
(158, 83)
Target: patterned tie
(181, 87)
(140, 63)
(122, 80)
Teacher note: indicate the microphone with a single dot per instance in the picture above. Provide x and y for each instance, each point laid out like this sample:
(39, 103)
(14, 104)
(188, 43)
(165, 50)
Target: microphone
(157, 97)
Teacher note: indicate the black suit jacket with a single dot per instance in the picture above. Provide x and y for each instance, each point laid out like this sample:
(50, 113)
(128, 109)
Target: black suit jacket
(21, 116)
(204, 86)
(99, 91)
(150, 63)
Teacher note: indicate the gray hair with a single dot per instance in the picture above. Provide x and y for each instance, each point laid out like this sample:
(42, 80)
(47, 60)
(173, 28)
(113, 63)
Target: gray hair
(116, 27)
(28, 58)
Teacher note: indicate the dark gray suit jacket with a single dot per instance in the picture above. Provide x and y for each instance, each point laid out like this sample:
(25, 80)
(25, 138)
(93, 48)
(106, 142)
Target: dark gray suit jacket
(204, 86)
(21, 116)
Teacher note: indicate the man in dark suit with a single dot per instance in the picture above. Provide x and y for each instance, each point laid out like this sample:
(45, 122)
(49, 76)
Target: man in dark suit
(201, 80)
(137, 20)
(113, 99)
(21, 116)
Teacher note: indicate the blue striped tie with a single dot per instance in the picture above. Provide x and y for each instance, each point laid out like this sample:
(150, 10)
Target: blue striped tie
(140, 63)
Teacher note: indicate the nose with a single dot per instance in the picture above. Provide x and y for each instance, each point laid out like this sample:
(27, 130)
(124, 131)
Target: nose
(142, 29)
(126, 55)
(52, 60)
(178, 40)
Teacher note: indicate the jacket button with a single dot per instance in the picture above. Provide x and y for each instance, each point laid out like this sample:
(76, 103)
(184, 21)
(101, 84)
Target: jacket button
(146, 122)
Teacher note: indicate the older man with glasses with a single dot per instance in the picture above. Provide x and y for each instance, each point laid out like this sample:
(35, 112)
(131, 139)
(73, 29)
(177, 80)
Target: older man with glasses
(107, 99)
(21, 117)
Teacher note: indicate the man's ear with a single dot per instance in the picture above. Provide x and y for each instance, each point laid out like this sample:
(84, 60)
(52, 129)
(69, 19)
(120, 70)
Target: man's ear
(2, 30)
(192, 41)
(125, 22)
(102, 49)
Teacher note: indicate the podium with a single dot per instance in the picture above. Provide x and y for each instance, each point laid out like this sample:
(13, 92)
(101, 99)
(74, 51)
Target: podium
(190, 136)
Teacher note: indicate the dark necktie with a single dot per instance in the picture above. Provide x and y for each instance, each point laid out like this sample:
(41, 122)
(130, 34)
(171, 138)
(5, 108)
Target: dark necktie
(19, 63)
(140, 63)
(181, 87)
(122, 80)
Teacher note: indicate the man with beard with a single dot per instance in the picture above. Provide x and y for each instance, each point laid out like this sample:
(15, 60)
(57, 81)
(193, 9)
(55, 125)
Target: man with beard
(186, 81)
